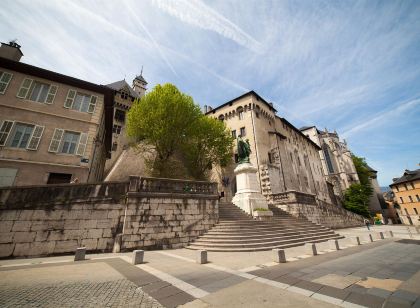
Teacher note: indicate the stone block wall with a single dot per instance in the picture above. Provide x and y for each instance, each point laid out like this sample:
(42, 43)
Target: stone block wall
(46, 220)
(323, 213)
(156, 221)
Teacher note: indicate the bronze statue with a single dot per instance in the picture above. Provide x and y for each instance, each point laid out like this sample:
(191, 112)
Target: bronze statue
(244, 150)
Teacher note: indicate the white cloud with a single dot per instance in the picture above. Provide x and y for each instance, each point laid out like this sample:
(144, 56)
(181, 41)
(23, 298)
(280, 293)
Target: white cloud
(200, 15)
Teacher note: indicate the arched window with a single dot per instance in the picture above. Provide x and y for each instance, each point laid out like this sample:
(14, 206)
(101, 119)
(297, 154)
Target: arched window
(221, 117)
(326, 151)
(240, 112)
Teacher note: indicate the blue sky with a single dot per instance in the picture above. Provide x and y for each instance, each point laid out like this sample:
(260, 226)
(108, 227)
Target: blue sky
(353, 66)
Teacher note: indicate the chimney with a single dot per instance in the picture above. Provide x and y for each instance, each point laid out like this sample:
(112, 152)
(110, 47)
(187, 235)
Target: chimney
(11, 51)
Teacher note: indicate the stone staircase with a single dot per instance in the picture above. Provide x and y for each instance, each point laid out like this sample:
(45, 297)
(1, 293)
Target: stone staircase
(238, 231)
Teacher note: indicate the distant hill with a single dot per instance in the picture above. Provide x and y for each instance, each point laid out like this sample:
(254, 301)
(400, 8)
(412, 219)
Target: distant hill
(385, 188)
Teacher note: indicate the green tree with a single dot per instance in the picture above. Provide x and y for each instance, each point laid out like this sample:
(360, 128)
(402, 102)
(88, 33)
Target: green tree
(209, 144)
(167, 123)
(356, 197)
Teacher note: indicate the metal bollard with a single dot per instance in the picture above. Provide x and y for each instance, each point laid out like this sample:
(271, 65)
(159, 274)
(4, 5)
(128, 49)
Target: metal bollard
(279, 255)
(138, 256)
(391, 233)
(371, 237)
(80, 254)
(358, 240)
(381, 234)
(201, 256)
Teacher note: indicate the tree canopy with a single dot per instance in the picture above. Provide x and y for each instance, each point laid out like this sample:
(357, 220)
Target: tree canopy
(173, 126)
(356, 197)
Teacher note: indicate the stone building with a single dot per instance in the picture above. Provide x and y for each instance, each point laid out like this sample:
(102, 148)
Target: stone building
(377, 204)
(124, 98)
(289, 167)
(335, 155)
(406, 190)
(53, 128)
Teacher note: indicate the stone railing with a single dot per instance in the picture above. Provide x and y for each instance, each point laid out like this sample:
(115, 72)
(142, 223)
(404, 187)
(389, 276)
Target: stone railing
(293, 197)
(41, 195)
(177, 186)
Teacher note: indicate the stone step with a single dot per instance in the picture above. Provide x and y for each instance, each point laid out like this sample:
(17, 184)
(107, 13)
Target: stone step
(261, 231)
(256, 239)
(239, 225)
(263, 246)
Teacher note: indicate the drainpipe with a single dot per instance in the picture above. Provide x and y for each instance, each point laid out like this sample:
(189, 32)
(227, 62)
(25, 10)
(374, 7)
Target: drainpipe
(256, 149)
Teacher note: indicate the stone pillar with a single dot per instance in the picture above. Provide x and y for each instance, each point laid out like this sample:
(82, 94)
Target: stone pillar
(248, 196)
(80, 254)
(279, 255)
(138, 256)
(201, 256)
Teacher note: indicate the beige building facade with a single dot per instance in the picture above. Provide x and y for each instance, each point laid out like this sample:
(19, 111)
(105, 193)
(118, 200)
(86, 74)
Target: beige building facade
(289, 166)
(406, 190)
(337, 164)
(53, 128)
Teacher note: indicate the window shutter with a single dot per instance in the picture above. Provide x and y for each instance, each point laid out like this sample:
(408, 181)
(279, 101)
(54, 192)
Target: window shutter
(81, 147)
(24, 88)
(51, 94)
(5, 130)
(92, 104)
(70, 98)
(35, 138)
(4, 81)
(56, 139)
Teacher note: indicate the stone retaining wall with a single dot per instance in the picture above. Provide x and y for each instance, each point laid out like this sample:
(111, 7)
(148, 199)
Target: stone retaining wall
(45, 220)
(323, 213)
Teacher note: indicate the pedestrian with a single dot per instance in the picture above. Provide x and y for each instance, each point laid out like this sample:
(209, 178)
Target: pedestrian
(367, 223)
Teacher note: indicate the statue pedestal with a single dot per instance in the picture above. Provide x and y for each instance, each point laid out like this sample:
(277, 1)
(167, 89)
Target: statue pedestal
(248, 196)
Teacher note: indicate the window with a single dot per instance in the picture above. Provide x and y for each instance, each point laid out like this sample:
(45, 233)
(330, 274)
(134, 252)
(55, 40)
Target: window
(240, 114)
(418, 198)
(37, 91)
(80, 102)
(415, 211)
(396, 186)
(412, 185)
(68, 142)
(119, 115)
(411, 199)
(116, 129)
(20, 135)
(4, 81)
(405, 185)
(234, 134)
(406, 212)
(114, 146)
(326, 151)
(221, 117)
(270, 160)
(124, 95)
(59, 178)
(402, 201)
(243, 132)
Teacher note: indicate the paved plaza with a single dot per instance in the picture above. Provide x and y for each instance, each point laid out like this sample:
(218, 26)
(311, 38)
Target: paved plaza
(384, 273)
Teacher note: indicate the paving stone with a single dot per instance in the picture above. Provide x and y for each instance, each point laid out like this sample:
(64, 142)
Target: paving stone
(290, 280)
(153, 287)
(357, 289)
(334, 292)
(365, 300)
(308, 285)
(405, 295)
(379, 292)
(396, 303)
(164, 292)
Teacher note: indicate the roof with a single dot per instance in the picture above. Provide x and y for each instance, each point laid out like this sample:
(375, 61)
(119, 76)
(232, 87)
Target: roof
(299, 132)
(371, 169)
(118, 85)
(141, 78)
(252, 92)
(307, 127)
(407, 177)
(74, 82)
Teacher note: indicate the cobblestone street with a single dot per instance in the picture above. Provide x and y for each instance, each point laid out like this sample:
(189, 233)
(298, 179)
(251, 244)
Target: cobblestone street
(118, 293)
